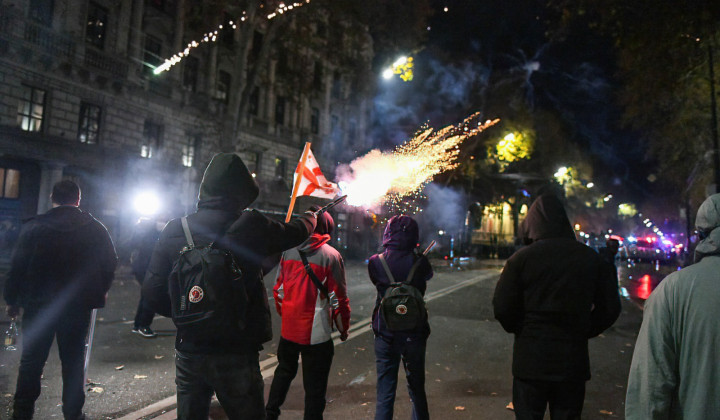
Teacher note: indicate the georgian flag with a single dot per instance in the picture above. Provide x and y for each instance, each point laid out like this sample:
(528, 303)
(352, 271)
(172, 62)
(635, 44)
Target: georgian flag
(312, 181)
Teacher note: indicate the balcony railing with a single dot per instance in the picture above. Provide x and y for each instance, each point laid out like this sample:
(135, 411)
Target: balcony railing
(106, 63)
(14, 26)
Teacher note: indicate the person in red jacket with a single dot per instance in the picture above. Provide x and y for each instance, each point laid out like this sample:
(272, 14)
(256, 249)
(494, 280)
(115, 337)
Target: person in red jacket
(308, 315)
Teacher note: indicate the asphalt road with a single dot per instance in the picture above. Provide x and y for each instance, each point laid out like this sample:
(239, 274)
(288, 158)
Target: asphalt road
(468, 358)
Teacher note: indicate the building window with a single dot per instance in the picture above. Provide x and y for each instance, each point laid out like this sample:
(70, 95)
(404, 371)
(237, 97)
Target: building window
(335, 127)
(321, 30)
(315, 121)
(188, 151)
(9, 183)
(227, 33)
(41, 11)
(256, 44)
(223, 86)
(31, 109)
(89, 124)
(283, 67)
(337, 85)
(280, 165)
(253, 161)
(280, 110)
(190, 73)
(97, 18)
(151, 141)
(254, 102)
(317, 76)
(152, 56)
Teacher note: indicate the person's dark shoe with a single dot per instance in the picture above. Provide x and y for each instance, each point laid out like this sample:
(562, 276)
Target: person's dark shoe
(146, 332)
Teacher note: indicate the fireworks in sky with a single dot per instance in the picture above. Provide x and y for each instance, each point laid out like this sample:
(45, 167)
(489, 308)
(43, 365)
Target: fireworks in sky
(212, 35)
(392, 178)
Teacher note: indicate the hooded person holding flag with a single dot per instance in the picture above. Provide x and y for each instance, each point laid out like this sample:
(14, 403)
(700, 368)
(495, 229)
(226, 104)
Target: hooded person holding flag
(227, 365)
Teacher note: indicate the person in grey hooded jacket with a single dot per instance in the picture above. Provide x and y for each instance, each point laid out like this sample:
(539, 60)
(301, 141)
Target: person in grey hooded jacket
(675, 370)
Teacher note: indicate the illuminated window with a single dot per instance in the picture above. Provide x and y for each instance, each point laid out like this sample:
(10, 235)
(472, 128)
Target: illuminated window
(89, 125)
(31, 109)
(152, 136)
(280, 165)
(96, 25)
(9, 183)
(188, 151)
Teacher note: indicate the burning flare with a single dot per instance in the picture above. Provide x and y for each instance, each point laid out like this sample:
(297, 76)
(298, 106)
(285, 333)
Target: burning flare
(381, 177)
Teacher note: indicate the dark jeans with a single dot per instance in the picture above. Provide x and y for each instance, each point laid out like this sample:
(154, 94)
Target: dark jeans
(234, 378)
(316, 361)
(39, 328)
(144, 315)
(530, 398)
(387, 360)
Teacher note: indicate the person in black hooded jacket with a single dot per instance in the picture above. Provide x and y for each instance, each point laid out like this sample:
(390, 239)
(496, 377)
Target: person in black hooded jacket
(553, 294)
(61, 269)
(226, 365)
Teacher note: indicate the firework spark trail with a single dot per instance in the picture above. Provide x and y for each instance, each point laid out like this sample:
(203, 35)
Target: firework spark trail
(389, 177)
(212, 35)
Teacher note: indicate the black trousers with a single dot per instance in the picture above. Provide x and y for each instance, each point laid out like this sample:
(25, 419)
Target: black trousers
(143, 315)
(531, 398)
(316, 361)
(235, 379)
(39, 328)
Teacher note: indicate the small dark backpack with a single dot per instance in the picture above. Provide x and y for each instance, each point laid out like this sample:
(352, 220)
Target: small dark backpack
(206, 288)
(402, 306)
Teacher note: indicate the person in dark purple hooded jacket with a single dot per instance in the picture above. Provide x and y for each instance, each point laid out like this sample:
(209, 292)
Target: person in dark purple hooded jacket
(400, 241)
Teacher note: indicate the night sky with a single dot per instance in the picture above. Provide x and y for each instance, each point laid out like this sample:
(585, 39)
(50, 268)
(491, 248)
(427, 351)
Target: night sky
(479, 43)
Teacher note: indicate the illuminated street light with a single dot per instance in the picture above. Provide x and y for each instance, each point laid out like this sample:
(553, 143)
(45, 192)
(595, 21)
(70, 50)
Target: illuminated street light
(147, 203)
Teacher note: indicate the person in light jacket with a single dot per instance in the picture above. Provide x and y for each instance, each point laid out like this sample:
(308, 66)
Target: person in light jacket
(675, 369)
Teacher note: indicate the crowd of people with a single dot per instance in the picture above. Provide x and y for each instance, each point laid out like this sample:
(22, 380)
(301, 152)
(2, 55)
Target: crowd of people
(554, 294)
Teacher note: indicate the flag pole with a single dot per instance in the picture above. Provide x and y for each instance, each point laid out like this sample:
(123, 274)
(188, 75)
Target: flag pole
(298, 179)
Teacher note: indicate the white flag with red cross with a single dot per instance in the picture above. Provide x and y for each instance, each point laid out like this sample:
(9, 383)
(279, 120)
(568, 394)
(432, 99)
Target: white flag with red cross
(312, 181)
(309, 180)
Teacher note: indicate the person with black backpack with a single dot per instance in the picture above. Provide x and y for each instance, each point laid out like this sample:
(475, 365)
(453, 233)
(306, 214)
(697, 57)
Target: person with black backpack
(399, 320)
(206, 272)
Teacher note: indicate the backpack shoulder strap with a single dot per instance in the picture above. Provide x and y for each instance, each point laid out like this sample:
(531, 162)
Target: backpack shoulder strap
(186, 229)
(385, 266)
(412, 271)
(321, 287)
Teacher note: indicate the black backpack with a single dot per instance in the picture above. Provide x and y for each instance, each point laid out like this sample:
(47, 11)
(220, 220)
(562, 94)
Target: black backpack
(402, 306)
(207, 292)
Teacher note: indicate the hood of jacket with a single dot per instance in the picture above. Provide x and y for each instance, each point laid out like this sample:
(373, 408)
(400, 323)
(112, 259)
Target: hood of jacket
(314, 242)
(547, 219)
(227, 181)
(325, 222)
(64, 218)
(401, 232)
(708, 222)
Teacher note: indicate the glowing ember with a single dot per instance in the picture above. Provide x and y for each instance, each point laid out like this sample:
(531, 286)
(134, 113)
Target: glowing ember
(212, 35)
(388, 177)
